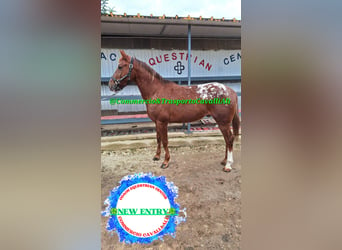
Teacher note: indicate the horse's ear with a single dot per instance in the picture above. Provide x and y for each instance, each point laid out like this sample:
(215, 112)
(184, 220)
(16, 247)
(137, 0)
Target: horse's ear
(123, 54)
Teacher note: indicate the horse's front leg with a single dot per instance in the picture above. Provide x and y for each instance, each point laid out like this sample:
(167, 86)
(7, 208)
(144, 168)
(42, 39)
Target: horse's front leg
(157, 156)
(164, 140)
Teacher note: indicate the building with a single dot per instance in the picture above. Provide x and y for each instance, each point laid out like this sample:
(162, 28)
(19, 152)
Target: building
(162, 42)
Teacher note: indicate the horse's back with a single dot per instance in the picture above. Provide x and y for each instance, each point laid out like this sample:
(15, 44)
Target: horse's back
(200, 100)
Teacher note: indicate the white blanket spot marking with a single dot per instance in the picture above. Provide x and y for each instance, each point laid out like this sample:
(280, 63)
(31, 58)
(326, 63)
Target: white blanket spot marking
(212, 90)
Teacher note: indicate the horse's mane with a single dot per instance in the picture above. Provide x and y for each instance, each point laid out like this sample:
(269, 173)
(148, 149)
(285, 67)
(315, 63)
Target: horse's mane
(152, 71)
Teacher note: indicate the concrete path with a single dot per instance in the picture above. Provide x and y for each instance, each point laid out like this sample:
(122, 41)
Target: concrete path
(177, 139)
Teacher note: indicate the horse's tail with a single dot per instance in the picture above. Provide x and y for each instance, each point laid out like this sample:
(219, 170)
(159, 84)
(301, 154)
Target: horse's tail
(236, 120)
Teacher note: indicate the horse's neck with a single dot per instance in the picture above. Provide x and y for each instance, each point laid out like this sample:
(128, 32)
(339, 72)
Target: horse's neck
(147, 83)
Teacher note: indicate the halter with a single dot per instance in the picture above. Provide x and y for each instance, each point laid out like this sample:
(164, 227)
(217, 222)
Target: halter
(117, 81)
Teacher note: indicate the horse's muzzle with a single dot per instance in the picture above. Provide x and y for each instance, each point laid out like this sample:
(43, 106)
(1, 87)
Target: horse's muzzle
(115, 87)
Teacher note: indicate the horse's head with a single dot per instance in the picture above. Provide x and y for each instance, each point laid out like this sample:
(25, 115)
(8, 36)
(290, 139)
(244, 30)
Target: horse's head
(122, 75)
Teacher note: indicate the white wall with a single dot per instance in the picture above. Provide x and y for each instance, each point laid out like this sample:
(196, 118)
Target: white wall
(173, 63)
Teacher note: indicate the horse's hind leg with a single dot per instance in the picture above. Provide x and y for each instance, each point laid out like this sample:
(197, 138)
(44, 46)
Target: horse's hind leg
(228, 166)
(157, 156)
(224, 131)
(229, 139)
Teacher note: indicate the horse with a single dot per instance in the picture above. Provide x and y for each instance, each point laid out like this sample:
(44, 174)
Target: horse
(153, 87)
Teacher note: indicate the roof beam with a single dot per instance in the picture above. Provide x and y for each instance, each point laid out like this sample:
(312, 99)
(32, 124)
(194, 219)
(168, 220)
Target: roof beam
(162, 30)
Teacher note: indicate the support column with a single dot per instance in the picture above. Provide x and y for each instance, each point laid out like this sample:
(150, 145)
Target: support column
(189, 65)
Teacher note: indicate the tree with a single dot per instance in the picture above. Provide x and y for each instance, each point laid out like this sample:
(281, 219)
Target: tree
(111, 10)
(104, 7)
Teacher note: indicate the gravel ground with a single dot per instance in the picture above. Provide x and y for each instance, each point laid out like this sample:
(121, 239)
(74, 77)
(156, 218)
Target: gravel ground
(212, 197)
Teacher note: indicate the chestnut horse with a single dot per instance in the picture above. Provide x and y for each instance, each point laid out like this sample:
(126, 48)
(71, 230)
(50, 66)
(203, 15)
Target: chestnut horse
(153, 86)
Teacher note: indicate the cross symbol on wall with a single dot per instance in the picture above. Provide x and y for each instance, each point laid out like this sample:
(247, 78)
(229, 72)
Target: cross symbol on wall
(179, 67)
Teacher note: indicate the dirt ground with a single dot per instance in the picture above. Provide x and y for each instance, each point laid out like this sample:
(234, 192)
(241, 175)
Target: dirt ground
(212, 197)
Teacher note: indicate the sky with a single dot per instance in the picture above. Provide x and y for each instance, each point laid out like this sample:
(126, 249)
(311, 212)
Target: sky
(195, 8)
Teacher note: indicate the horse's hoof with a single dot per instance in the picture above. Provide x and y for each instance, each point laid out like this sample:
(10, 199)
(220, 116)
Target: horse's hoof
(163, 166)
(223, 163)
(156, 158)
(227, 170)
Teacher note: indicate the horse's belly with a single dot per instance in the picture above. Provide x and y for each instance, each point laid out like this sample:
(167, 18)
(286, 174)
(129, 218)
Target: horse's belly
(179, 114)
(185, 119)
(188, 114)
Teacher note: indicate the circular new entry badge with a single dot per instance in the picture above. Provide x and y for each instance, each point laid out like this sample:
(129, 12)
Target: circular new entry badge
(143, 209)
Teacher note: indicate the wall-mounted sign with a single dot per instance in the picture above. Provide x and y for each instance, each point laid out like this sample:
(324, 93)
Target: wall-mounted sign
(174, 63)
